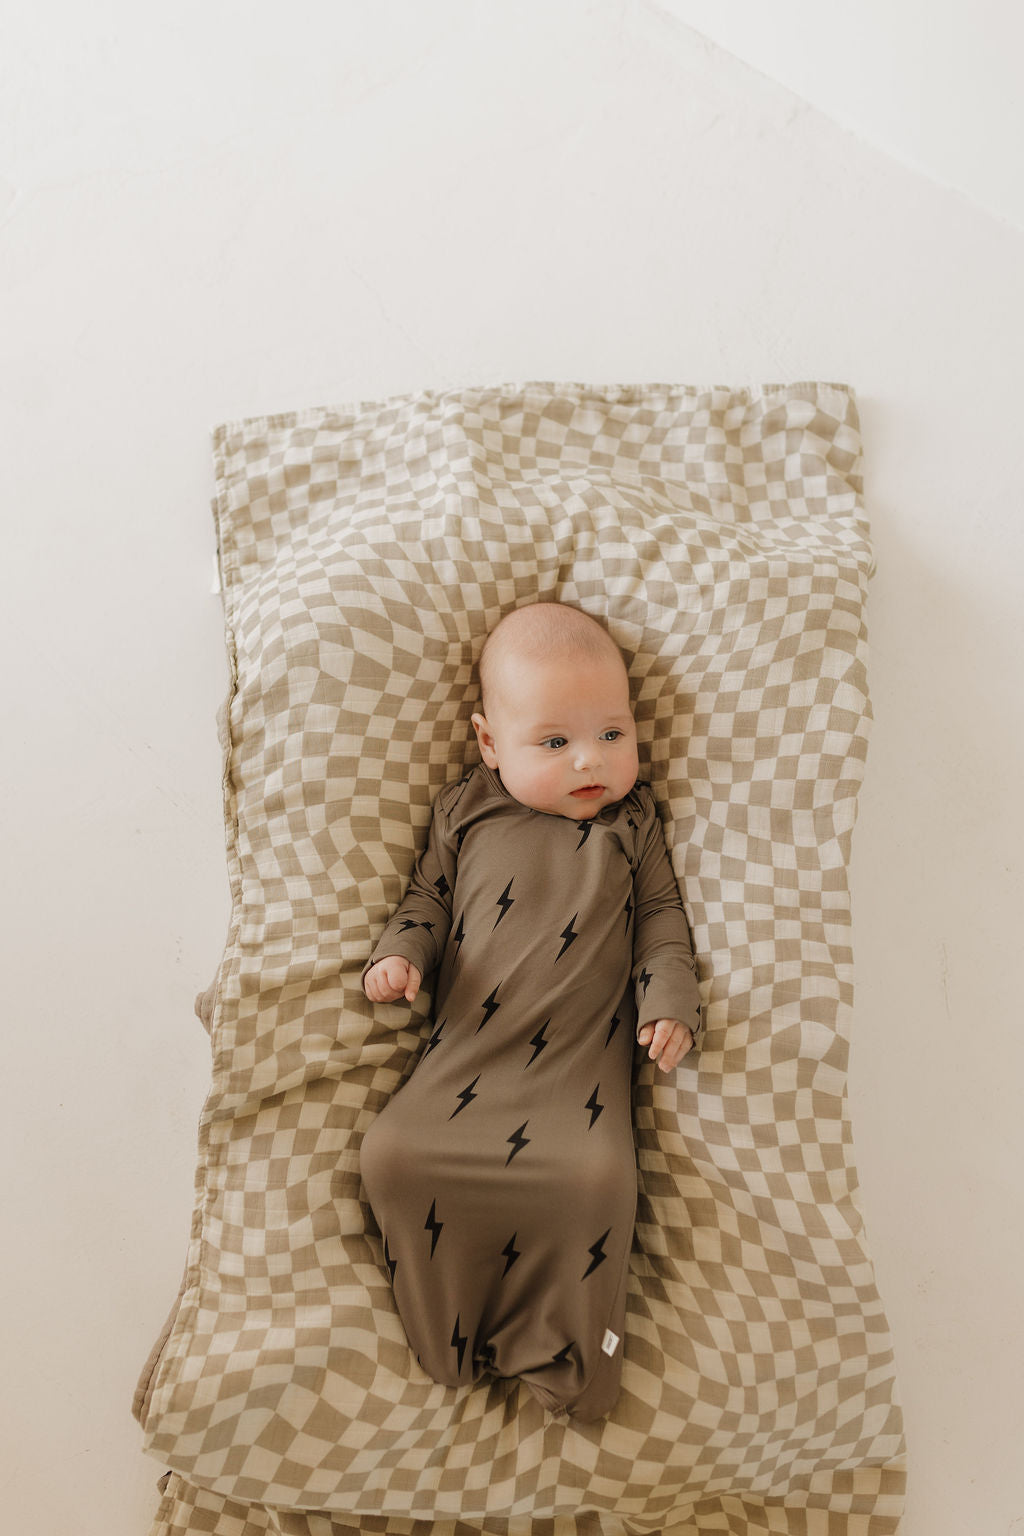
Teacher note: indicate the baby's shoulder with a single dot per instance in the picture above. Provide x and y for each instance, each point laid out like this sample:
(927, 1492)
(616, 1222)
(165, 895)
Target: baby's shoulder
(640, 804)
(628, 822)
(466, 794)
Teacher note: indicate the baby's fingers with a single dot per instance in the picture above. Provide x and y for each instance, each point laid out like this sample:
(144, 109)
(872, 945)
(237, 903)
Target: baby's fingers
(654, 1036)
(668, 1040)
(388, 979)
(676, 1048)
(375, 985)
(413, 984)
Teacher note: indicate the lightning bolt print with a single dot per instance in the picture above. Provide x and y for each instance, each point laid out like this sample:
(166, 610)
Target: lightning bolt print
(562, 1358)
(441, 886)
(435, 1038)
(613, 1026)
(510, 1253)
(538, 1042)
(391, 1263)
(467, 1096)
(490, 1007)
(569, 934)
(594, 1107)
(433, 1226)
(459, 934)
(459, 1340)
(517, 1141)
(628, 909)
(597, 1254)
(644, 979)
(408, 923)
(584, 829)
(504, 901)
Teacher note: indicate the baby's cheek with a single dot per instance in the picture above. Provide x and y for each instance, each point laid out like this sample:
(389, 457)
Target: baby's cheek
(545, 779)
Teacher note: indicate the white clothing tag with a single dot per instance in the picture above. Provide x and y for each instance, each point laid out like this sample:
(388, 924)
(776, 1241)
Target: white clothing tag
(610, 1342)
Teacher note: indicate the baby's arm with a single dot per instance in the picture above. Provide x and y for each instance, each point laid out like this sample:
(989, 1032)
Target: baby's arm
(669, 1021)
(413, 941)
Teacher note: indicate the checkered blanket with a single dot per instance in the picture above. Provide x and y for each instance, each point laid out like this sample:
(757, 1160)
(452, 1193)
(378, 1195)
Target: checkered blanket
(365, 551)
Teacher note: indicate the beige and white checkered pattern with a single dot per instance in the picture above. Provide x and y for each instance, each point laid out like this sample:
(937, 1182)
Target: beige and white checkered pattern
(365, 552)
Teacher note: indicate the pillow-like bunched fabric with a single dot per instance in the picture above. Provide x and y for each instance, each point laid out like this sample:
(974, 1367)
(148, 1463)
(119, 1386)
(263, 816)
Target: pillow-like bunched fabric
(365, 552)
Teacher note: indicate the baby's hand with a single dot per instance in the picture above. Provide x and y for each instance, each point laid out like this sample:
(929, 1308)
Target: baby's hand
(391, 978)
(668, 1039)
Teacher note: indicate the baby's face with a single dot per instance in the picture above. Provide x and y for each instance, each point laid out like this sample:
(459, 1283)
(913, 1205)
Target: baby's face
(561, 734)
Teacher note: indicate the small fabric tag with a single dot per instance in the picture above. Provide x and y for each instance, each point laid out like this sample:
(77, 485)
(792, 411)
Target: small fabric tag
(610, 1343)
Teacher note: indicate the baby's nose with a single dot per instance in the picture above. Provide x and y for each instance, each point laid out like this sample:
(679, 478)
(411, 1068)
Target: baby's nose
(587, 755)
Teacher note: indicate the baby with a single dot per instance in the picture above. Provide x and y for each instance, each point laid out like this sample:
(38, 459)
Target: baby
(503, 1173)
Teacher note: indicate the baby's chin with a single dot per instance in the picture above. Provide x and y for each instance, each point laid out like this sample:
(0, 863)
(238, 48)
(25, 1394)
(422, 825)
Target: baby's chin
(585, 808)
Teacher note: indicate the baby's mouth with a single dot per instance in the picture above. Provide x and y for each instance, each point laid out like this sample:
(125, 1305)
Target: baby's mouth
(587, 792)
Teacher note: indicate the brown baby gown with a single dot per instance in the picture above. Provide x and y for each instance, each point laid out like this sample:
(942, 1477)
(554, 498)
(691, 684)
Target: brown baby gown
(502, 1173)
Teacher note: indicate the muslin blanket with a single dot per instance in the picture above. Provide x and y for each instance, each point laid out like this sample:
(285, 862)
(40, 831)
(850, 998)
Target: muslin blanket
(365, 551)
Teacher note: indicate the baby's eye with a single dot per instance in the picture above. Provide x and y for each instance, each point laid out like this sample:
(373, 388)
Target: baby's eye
(612, 735)
(554, 742)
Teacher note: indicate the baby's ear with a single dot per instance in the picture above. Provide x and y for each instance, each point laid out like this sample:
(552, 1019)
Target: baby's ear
(485, 740)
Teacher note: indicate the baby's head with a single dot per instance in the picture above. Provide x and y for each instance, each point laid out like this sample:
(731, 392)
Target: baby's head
(557, 723)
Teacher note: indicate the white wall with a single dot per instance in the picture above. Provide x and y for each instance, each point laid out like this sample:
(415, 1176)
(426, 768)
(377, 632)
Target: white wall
(224, 209)
(933, 83)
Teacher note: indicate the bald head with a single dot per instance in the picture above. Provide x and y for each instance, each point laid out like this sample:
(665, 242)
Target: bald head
(558, 726)
(541, 632)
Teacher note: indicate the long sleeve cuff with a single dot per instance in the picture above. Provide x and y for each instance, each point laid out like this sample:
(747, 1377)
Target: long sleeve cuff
(415, 942)
(669, 993)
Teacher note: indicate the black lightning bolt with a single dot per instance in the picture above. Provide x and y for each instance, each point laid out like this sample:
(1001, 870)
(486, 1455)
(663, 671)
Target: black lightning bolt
(467, 1096)
(459, 1340)
(441, 886)
(645, 978)
(538, 1042)
(594, 1107)
(504, 901)
(598, 1254)
(408, 923)
(490, 1007)
(517, 1141)
(628, 909)
(433, 1226)
(510, 1253)
(569, 934)
(613, 1026)
(391, 1263)
(563, 1354)
(435, 1038)
(584, 828)
(487, 1354)
(460, 933)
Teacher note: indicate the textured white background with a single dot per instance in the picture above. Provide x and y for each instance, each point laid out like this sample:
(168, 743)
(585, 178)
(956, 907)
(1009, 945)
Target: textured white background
(222, 209)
